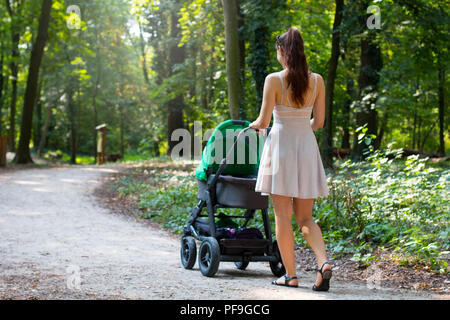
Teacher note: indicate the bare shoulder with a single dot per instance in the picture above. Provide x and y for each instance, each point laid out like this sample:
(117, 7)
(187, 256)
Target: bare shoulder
(320, 81)
(319, 77)
(273, 80)
(273, 76)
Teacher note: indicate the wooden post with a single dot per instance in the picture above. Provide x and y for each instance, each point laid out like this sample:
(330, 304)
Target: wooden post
(101, 144)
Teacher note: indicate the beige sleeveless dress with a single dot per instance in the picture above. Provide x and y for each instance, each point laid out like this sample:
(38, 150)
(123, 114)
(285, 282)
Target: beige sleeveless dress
(290, 163)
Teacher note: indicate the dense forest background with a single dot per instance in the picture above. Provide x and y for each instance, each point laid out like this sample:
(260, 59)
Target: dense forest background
(146, 68)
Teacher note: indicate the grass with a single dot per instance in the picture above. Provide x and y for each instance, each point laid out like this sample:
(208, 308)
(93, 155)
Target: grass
(136, 158)
(80, 159)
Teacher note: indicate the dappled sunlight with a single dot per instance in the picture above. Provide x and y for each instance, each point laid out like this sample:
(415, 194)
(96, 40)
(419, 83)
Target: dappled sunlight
(33, 183)
(147, 238)
(281, 293)
(16, 212)
(69, 180)
(100, 169)
(42, 190)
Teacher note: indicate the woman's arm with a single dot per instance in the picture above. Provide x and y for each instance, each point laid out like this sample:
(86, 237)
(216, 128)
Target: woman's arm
(318, 119)
(263, 121)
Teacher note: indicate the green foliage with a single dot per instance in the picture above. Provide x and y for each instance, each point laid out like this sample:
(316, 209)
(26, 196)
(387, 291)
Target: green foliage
(154, 188)
(385, 201)
(60, 156)
(96, 74)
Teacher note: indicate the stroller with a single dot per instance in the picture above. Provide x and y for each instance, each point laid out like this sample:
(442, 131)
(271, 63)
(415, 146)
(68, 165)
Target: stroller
(229, 185)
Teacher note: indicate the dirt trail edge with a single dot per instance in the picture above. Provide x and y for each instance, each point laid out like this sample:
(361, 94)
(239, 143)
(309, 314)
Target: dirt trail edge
(57, 242)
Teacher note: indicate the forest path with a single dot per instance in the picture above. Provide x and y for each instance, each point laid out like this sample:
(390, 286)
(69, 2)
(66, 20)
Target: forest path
(57, 242)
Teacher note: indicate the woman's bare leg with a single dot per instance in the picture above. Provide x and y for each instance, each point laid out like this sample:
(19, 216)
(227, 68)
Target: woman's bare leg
(311, 232)
(285, 235)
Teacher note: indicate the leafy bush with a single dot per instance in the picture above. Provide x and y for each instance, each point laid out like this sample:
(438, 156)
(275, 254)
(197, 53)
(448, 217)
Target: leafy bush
(388, 202)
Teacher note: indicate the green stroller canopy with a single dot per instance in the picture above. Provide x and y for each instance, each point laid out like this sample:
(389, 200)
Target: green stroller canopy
(245, 158)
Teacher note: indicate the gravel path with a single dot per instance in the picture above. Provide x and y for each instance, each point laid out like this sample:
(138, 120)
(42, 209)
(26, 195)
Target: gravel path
(56, 242)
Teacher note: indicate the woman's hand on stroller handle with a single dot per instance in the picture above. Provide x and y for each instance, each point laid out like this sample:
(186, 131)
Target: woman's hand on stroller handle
(257, 129)
(250, 128)
(256, 125)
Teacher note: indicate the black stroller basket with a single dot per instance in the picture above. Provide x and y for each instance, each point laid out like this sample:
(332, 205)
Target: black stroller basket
(227, 191)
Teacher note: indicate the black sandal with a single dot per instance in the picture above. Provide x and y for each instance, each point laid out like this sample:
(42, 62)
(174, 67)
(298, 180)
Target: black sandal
(326, 276)
(286, 280)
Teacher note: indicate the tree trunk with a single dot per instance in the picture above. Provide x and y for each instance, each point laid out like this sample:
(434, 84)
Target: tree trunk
(203, 83)
(38, 124)
(414, 128)
(143, 54)
(94, 105)
(44, 132)
(327, 137)
(241, 23)
(14, 76)
(211, 75)
(383, 125)
(177, 55)
(1, 82)
(122, 129)
(193, 89)
(94, 96)
(419, 133)
(427, 134)
(346, 115)
(94, 130)
(370, 67)
(37, 52)
(174, 119)
(72, 122)
(232, 56)
(260, 60)
(415, 116)
(441, 94)
(14, 10)
(3, 150)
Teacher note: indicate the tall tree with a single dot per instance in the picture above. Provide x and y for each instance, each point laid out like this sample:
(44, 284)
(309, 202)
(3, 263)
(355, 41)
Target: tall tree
(370, 67)
(441, 94)
(23, 153)
(2, 80)
(327, 137)
(259, 36)
(242, 53)
(70, 88)
(177, 55)
(14, 8)
(432, 20)
(233, 56)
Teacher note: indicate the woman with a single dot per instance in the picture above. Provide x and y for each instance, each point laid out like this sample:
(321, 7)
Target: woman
(291, 169)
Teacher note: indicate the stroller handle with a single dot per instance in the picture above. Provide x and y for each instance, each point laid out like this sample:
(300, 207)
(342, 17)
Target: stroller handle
(223, 163)
(239, 122)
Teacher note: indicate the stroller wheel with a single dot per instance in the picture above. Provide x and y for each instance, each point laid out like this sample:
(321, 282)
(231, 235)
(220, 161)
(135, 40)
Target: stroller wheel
(209, 257)
(241, 265)
(277, 267)
(188, 252)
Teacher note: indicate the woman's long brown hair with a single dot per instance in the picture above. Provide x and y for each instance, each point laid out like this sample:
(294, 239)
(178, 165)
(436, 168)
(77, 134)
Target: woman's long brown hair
(297, 75)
